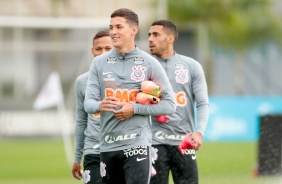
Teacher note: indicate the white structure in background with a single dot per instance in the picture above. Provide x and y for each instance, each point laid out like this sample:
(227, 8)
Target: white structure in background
(52, 95)
(37, 37)
(40, 123)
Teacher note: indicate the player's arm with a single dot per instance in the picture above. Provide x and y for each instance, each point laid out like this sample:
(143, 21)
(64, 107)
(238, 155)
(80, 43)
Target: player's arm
(165, 106)
(199, 87)
(80, 126)
(167, 103)
(92, 103)
(92, 94)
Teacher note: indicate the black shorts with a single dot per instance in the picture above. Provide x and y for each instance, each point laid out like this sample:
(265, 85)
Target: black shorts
(183, 167)
(130, 166)
(91, 173)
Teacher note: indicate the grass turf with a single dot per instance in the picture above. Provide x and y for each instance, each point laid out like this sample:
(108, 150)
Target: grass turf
(43, 161)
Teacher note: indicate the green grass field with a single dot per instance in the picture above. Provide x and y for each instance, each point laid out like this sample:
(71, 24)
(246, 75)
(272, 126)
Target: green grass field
(43, 161)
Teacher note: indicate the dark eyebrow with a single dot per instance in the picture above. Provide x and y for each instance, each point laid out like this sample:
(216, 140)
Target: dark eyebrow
(116, 25)
(154, 33)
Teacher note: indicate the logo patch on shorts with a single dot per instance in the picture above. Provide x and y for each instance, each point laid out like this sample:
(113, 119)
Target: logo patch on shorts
(137, 150)
(102, 169)
(154, 154)
(191, 152)
(86, 176)
(140, 159)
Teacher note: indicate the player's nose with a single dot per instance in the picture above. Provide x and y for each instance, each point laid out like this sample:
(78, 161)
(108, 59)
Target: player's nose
(103, 51)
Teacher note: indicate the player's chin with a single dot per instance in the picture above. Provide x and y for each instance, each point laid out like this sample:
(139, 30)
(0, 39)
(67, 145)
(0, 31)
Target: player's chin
(116, 44)
(153, 51)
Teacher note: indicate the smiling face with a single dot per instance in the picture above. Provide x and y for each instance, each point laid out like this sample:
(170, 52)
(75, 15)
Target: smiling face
(122, 34)
(160, 42)
(101, 45)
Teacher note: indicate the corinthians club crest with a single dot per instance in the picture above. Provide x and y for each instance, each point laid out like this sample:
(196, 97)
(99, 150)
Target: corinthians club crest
(103, 169)
(181, 76)
(138, 73)
(154, 154)
(86, 176)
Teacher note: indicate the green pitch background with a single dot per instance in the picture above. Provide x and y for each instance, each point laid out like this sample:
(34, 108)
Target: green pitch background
(44, 162)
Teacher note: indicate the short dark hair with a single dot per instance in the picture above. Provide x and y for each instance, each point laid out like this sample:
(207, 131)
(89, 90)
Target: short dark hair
(129, 15)
(101, 34)
(167, 25)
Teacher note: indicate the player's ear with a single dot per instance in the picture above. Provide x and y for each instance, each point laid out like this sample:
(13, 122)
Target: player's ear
(92, 50)
(171, 38)
(134, 30)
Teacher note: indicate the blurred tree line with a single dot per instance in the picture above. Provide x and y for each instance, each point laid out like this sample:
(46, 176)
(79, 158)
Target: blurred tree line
(236, 25)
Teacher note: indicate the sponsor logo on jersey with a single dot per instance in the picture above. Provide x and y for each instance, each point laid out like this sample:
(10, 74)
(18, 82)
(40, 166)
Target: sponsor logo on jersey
(108, 76)
(137, 150)
(180, 98)
(102, 169)
(162, 135)
(112, 60)
(138, 73)
(106, 73)
(123, 95)
(138, 60)
(179, 65)
(86, 176)
(97, 115)
(96, 146)
(118, 138)
(111, 84)
(181, 76)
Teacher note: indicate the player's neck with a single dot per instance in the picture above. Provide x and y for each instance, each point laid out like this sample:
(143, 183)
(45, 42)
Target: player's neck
(167, 54)
(126, 48)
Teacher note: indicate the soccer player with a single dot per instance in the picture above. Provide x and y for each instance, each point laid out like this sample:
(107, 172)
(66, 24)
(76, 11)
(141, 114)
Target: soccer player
(87, 127)
(114, 81)
(189, 85)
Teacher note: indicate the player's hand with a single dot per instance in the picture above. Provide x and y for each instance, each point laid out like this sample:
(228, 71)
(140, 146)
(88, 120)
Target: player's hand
(187, 143)
(198, 138)
(126, 111)
(108, 104)
(76, 171)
